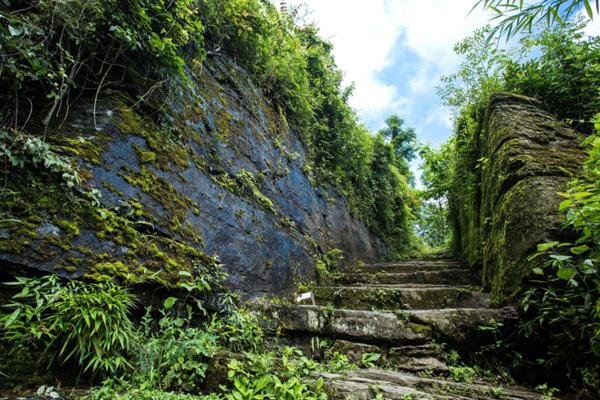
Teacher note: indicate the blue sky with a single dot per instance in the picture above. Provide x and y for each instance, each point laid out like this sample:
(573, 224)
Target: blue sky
(395, 52)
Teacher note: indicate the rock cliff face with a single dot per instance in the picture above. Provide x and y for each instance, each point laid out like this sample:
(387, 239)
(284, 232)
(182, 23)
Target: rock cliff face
(526, 157)
(231, 184)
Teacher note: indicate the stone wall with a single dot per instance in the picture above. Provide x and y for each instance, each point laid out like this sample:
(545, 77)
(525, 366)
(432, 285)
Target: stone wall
(526, 157)
(231, 184)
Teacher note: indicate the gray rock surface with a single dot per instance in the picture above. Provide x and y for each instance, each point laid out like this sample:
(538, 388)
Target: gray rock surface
(229, 183)
(527, 156)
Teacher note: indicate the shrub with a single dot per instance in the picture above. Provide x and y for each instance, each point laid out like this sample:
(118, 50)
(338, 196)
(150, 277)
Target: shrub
(261, 376)
(562, 304)
(72, 320)
(174, 356)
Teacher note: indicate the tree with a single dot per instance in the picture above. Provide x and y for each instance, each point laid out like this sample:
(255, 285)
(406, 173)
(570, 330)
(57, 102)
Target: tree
(516, 16)
(437, 181)
(403, 139)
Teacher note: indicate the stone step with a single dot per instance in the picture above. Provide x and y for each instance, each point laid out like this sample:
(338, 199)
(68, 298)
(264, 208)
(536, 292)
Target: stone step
(414, 358)
(444, 277)
(367, 384)
(392, 297)
(411, 266)
(454, 325)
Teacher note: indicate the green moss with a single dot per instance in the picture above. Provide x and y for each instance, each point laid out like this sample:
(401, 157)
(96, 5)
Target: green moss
(164, 152)
(162, 191)
(144, 156)
(418, 328)
(88, 148)
(70, 226)
(146, 257)
(248, 180)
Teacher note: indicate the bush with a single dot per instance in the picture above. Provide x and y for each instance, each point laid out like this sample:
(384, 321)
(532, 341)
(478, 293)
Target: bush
(562, 306)
(565, 77)
(72, 320)
(262, 376)
(174, 356)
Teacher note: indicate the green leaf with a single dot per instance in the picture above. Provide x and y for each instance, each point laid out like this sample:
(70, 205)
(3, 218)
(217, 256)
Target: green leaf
(565, 204)
(169, 303)
(538, 271)
(14, 31)
(588, 9)
(580, 249)
(566, 274)
(546, 246)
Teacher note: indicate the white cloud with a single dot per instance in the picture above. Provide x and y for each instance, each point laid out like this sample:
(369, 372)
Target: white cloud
(593, 28)
(365, 33)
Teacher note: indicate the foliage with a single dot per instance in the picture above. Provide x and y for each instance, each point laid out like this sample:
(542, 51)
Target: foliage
(437, 175)
(339, 362)
(24, 151)
(328, 265)
(174, 355)
(462, 374)
(86, 322)
(552, 66)
(565, 76)
(563, 303)
(393, 197)
(479, 75)
(57, 51)
(238, 330)
(402, 140)
(259, 376)
(370, 360)
(516, 16)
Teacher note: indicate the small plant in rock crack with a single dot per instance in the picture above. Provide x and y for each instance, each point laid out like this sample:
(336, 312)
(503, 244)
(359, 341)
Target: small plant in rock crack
(462, 374)
(497, 392)
(458, 371)
(370, 360)
(339, 362)
(328, 266)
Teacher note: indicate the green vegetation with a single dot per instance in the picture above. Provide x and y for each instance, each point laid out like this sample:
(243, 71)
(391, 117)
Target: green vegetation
(177, 350)
(559, 301)
(89, 322)
(562, 304)
(516, 16)
(555, 71)
(432, 222)
(59, 51)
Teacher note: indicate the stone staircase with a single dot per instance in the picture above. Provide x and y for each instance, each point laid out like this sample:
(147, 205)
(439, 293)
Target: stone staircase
(402, 311)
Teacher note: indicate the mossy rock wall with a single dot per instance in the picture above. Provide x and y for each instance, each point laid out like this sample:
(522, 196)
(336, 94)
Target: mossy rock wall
(526, 158)
(226, 180)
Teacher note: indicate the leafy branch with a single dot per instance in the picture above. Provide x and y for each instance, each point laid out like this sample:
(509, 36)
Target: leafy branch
(516, 16)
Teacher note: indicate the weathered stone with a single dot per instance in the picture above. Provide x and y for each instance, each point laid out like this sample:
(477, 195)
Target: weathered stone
(528, 156)
(407, 326)
(359, 325)
(416, 358)
(390, 297)
(355, 351)
(461, 325)
(229, 182)
(366, 384)
(412, 265)
(445, 276)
